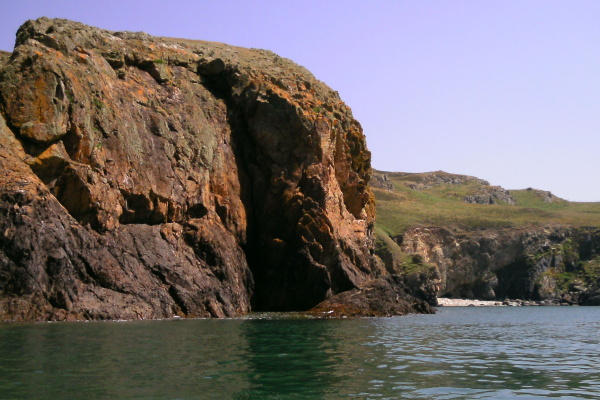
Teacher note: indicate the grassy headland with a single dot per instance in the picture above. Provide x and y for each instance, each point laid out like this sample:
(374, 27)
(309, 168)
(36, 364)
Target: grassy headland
(438, 199)
(471, 208)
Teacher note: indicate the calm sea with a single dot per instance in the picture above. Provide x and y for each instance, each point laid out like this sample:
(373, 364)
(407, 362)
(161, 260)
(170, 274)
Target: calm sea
(460, 353)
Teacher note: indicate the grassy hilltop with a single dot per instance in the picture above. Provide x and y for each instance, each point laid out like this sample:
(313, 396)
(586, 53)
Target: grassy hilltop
(406, 200)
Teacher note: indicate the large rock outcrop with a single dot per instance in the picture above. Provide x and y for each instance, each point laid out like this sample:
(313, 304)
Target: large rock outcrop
(149, 177)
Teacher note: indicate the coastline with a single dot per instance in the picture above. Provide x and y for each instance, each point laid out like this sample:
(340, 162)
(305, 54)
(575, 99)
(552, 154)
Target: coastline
(447, 302)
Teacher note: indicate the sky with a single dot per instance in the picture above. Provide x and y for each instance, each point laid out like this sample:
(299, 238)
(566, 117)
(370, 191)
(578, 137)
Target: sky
(504, 90)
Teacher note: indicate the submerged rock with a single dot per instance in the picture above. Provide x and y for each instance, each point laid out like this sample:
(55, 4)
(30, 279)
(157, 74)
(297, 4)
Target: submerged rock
(149, 177)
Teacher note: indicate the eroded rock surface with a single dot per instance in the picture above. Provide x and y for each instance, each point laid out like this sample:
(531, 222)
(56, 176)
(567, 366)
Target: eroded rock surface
(490, 195)
(149, 177)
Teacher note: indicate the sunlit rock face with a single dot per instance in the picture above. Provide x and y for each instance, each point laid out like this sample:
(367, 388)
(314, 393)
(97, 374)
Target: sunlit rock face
(148, 177)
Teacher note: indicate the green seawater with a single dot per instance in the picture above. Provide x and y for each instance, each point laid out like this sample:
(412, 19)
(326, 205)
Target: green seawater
(460, 353)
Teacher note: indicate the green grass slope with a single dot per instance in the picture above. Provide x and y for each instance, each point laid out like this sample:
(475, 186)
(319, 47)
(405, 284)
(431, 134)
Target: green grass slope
(437, 199)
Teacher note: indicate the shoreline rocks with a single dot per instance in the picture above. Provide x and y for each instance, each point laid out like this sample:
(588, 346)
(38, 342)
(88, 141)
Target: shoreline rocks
(448, 302)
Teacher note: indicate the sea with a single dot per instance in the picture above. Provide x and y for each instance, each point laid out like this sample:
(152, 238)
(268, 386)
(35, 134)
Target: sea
(458, 353)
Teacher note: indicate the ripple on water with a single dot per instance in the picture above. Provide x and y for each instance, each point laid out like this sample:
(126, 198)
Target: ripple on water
(468, 353)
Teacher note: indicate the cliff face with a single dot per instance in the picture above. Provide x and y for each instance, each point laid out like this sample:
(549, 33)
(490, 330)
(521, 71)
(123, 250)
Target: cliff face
(148, 177)
(554, 264)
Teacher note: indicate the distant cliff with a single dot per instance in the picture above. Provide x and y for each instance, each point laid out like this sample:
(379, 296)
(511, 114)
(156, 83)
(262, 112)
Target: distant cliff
(552, 264)
(149, 177)
(523, 244)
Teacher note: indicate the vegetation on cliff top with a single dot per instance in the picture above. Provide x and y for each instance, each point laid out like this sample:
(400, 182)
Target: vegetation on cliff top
(438, 199)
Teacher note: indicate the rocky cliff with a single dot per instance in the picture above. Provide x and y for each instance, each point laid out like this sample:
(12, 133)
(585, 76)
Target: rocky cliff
(148, 177)
(555, 264)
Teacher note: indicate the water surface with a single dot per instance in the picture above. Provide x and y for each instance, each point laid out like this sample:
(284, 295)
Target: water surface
(460, 353)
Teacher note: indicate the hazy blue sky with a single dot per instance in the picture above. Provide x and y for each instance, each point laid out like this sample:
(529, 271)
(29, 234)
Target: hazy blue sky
(508, 91)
